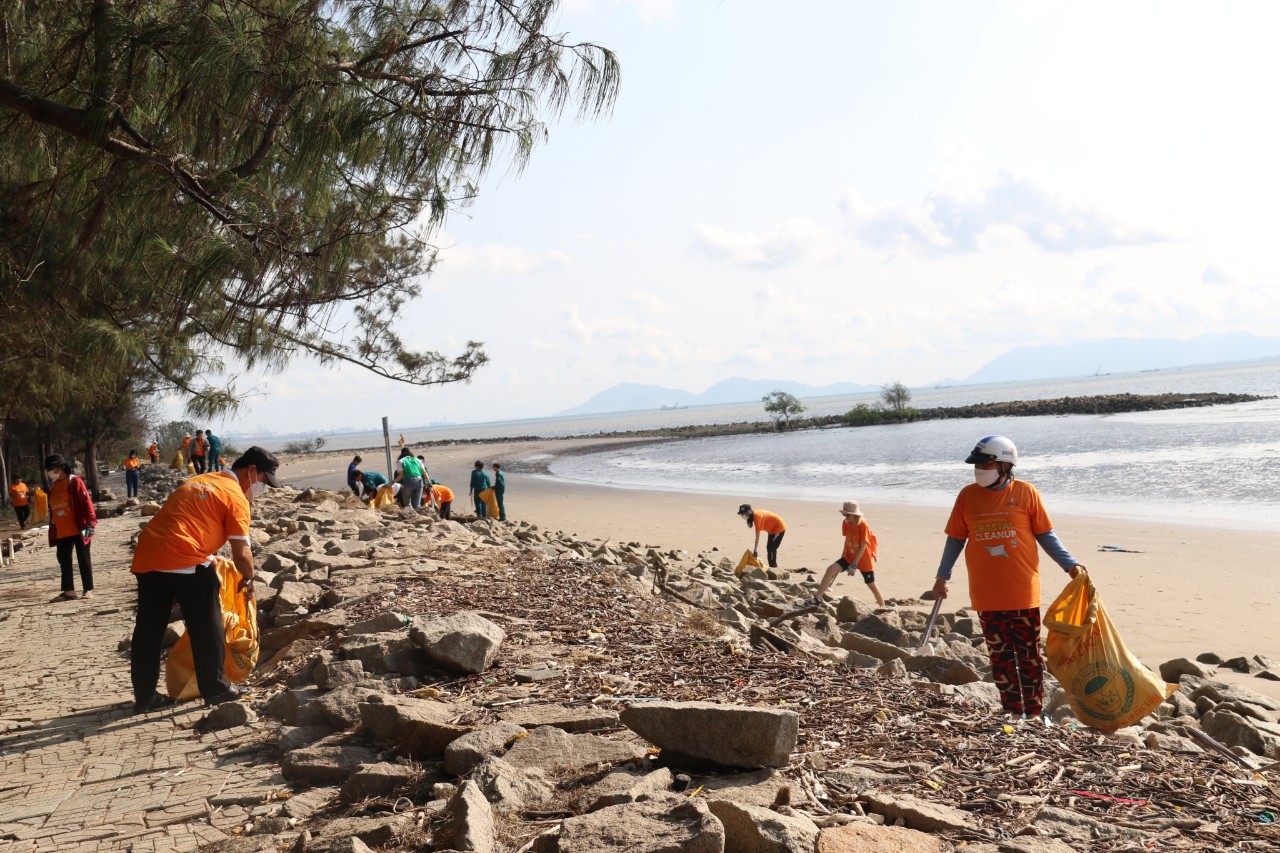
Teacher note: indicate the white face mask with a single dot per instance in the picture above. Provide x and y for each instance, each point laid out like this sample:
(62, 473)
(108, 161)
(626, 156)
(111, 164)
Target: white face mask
(985, 477)
(256, 488)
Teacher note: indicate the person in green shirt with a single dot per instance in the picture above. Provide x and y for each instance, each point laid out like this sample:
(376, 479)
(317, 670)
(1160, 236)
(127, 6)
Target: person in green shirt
(409, 475)
(499, 489)
(479, 482)
(372, 481)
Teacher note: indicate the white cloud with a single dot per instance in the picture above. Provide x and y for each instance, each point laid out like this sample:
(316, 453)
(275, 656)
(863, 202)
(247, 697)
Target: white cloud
(1005, 210)
(789, 242)
(648, 302)
(466, 260)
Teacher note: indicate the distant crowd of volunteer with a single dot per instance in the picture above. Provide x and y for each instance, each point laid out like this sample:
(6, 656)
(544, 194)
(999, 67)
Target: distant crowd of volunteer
(997, 522)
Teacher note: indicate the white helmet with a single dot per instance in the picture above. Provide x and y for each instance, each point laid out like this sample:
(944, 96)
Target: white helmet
(993, 448)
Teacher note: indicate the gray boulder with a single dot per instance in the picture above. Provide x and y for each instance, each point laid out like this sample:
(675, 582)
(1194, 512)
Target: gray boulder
(1233, 730)
(880, 629)
(916, 813)
(389, 651)
(555, 751)
(463, 755)
(663, 824)
(325, 765)
(711, 733)
(418, 728)
(468, 822)
(514, 789)
(1173, 670)
(463, 642)
(940, 669)
(376, 780)
(752, 829)
(572, 720)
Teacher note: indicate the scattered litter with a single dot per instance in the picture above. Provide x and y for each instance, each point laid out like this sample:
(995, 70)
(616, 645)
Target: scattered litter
(1116, 549)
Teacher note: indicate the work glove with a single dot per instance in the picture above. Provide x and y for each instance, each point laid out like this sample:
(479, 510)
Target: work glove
(754, 554)
(87, 533)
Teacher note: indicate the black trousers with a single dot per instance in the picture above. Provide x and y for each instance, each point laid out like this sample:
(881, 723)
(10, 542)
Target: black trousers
(771, 547)
(65, 546)
(197, 595)
(198, 461)
(446, 510)
(23, 513)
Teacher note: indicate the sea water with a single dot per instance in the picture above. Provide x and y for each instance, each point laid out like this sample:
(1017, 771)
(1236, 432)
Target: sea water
(1217, 465)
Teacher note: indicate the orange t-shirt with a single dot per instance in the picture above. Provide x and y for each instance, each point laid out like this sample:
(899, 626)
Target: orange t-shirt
(199, 445)
(861, 532)
(186, 443)
(196, 520)
(19, 494)
(153, 450)
(1001, 554)
(132, 463)
(443, 494)
(769, 523)
(64, 515)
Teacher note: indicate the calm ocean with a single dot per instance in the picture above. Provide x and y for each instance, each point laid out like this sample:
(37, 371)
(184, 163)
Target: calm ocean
(1218, 466)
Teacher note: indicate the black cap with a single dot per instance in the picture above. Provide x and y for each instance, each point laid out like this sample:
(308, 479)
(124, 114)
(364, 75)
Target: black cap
(55, 460)
(744, 509)
(265, 461)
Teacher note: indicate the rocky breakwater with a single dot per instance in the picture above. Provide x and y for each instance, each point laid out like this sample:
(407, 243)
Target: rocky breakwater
(482, 686)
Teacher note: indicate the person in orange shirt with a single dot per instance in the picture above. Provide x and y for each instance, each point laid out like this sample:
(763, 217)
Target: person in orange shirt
(860, 551)
(186, 446)
(71, 524)
(154, 452)
(174, 561)
(771, 524)
(20, 498)
(443, 496)
(132, 465)
(199, 451)
(997, 521)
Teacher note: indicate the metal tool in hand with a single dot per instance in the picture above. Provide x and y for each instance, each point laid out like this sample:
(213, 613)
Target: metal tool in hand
(933, 620)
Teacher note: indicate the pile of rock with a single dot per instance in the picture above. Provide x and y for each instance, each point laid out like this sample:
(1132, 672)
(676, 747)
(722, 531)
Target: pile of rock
(495, 687)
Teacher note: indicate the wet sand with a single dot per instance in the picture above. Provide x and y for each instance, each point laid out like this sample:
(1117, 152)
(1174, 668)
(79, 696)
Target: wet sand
(1187, 590)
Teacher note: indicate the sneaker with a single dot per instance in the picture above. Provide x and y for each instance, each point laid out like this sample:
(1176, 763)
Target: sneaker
(234, 693)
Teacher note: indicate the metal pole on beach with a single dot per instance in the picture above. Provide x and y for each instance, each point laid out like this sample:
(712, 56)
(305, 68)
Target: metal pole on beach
(386, 440)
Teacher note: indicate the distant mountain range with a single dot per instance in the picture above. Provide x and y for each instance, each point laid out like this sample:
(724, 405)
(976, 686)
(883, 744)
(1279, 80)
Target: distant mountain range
(1123, 355)
(1114, 355)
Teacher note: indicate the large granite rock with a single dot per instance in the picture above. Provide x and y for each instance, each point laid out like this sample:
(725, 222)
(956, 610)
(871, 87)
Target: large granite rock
(869, 838)
(418, 728)
(468, 822)
(463, 642)
(463, 755)
(568, 719)
(553, 750)
(664, 824)
(711, 733)
(752, 829)
(325, 765)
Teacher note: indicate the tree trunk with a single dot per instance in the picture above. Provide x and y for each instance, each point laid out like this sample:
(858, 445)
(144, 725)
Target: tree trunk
(91, 469)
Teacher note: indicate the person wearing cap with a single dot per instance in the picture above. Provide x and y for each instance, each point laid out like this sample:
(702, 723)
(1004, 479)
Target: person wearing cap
(996, 522)
(20, 498)
(860, 552)
(153, 450)
(71, 524)
(773, 525)
(174, 562)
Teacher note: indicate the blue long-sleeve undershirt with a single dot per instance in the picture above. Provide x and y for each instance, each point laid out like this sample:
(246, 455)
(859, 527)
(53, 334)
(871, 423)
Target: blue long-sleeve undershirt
(1049, 541)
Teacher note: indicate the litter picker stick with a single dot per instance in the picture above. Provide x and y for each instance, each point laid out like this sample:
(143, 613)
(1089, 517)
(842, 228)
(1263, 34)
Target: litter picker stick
(933, 619)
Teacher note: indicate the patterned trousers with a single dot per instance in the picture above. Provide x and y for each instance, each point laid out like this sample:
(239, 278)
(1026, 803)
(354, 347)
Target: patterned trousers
(1013, 644)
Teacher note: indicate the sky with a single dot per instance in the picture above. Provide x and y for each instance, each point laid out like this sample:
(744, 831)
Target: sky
(849, 191)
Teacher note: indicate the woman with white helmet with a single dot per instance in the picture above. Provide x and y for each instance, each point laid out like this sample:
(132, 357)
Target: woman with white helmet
(997, 521)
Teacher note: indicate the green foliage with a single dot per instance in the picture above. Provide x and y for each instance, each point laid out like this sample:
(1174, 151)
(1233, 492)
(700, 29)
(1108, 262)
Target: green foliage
(864, 415)
(895, 396)
(262, 177)
(782, 407)
(305, 445)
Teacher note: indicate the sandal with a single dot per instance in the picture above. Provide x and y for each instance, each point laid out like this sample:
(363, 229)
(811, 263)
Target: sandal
(65, 595)
(88, 594)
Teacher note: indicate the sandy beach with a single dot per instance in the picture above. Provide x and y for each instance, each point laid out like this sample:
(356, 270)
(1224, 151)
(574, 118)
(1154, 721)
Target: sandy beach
(1184, 589)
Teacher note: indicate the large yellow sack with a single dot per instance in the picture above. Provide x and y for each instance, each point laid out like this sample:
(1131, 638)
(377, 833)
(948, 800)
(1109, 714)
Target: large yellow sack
(748, 559)
(385, 496)
(240, 618)
(490, 498)
(1107, 686)
(40, 508)
(178, 462)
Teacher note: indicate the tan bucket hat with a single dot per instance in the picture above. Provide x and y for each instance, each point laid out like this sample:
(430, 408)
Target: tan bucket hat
(851, 508)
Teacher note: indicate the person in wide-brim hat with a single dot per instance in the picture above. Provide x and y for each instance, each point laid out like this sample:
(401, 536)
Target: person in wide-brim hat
(860, 551)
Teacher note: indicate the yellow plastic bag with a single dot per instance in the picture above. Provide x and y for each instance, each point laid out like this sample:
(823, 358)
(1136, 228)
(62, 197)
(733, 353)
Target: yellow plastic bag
(1107, 686)
(191, 467)
(384, 497)
(748, 560)
(240, 618)
(490, 498)
(178, 462)
(40, 507)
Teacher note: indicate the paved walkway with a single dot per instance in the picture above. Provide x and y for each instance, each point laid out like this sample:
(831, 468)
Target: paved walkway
(77, 771)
